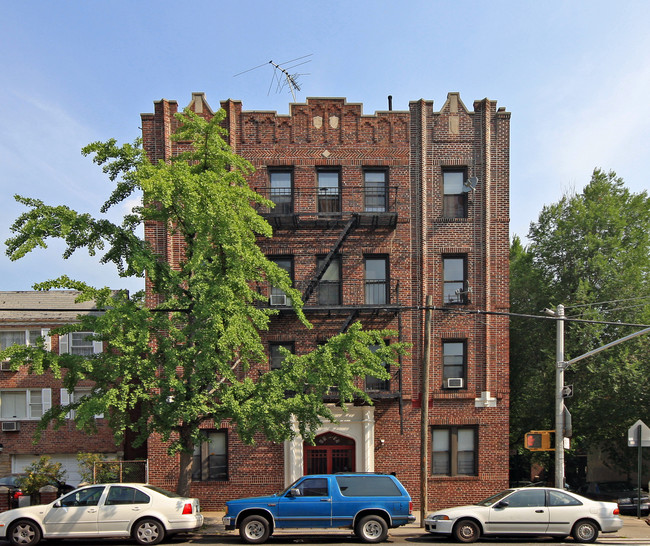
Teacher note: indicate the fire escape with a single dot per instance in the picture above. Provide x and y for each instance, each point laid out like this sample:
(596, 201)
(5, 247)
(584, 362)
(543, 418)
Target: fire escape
(378, 210)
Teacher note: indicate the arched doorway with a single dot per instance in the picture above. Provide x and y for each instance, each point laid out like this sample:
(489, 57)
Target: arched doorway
(331, 453)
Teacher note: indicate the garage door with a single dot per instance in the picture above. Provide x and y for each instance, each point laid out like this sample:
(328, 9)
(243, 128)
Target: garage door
(68, 463)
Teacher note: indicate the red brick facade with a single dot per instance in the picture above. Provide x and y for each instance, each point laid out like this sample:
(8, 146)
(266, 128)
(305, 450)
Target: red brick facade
(412, 235)
(40, 312)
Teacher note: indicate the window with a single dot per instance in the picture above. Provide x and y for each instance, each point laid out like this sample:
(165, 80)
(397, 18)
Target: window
(79, 343)
(367, 486)
(73, 397)
(20, 337)
(329, 198)
(329, 287)
(84, 497)
(278, 297)
(527, 498)
(313, 487)
(275, 355)
(375, 190)
(454, 451)
(456, 288)
(559, 498)
(25, 404)
(210, 461)
(454, 204)
(453, 362)
(376, 279)
(374, 383)
(282, 191)
(119, 494)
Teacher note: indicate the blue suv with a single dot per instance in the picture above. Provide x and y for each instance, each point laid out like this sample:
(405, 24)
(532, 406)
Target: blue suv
(369, 504)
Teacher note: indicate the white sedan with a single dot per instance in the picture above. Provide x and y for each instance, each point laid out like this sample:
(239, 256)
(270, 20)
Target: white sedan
(539, 511)
(117, 510)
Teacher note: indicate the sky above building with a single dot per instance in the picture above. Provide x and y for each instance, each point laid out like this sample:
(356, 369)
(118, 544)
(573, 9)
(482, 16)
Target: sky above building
(574, 75)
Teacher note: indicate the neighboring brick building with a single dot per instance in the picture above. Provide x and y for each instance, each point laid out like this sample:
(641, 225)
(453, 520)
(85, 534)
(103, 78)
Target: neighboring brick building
(373, 214)
(24, 317)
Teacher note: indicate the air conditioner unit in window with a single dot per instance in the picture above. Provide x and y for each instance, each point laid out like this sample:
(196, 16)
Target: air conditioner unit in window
(10, 426)
(454, 382)
(5, 365)
(278, 299)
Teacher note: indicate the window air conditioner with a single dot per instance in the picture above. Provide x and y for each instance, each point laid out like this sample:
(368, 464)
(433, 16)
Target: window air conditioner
(10, 426)
(5, 365)
(278, 299)
(454, 382)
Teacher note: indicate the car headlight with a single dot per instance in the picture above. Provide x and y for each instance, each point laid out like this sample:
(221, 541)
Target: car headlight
(625, 500)
(438, 517)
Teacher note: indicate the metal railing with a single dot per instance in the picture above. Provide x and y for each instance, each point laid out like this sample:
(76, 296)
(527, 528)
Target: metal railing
(329, 200)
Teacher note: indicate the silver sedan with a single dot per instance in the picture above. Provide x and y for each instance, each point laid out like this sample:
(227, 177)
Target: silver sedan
(531, 511)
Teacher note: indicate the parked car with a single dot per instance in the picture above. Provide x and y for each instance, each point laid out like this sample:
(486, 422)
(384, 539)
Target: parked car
(12, 482)
(145, 513)
(532, 511)
(369, 504)
(622, 493)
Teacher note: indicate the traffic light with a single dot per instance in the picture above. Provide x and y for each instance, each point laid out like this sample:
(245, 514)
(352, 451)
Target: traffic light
(538, 440)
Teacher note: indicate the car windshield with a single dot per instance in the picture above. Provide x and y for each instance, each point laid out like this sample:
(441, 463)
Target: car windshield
(494, 498)
(162, 491)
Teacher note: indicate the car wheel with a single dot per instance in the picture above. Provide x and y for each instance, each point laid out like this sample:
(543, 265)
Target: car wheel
(585, 531)
(148, 531)
(254, 529)
(24, 532)
(466, 530)
(371, 529)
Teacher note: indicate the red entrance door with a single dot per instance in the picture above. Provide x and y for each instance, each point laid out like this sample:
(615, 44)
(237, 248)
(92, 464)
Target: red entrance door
(332, 453)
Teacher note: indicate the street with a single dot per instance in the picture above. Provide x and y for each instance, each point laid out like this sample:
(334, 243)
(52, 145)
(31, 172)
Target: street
(346, 540)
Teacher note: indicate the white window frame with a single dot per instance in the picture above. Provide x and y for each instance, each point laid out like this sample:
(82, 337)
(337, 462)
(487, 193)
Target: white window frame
(66, 345)
(45, 403)
(44, 332)
(70, 397)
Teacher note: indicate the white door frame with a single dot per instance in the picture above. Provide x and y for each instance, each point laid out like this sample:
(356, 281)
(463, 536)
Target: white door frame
(357, 423)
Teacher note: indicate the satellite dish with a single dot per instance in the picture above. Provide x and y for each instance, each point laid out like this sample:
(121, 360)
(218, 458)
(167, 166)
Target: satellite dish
(470, 184)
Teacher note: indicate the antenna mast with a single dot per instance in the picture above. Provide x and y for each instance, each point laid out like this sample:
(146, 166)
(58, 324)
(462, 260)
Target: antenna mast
(290, 79)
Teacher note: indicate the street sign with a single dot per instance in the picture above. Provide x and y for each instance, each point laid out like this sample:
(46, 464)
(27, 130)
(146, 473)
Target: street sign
(567, 391)
(633, 435)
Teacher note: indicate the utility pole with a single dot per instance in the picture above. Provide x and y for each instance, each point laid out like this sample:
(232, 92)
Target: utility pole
(559, 399)
(562, 365)
(424, 423)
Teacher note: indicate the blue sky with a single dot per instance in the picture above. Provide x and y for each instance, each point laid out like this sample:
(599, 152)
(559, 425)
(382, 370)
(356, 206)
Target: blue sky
(574, 75)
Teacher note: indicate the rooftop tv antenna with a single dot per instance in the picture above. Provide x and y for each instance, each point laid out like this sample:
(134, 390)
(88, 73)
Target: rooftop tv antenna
(285, 79)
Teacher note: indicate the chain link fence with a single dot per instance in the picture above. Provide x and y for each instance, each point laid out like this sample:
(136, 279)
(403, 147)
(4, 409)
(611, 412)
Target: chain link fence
(121, 472)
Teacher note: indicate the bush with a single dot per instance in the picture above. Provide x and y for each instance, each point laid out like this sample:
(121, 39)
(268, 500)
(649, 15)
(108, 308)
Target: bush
(40, 473)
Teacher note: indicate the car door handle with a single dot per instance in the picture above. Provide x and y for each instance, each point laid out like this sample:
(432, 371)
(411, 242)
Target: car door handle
(539, 511)
(135, 509)
(326, 500)
(92, 510)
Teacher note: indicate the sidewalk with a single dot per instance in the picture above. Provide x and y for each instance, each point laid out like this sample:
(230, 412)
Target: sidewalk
(634, 531)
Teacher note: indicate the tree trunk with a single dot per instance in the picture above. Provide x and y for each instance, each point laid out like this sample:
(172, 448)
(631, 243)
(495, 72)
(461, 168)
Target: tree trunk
(185, 470)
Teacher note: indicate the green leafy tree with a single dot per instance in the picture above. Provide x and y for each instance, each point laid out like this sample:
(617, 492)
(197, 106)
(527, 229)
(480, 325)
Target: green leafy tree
(590, 251)
(186, 360)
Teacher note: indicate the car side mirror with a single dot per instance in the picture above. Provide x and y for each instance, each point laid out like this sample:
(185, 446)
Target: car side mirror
(502, 504)
(294, 492)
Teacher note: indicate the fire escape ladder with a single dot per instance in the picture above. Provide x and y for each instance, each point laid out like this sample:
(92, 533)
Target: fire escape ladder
(328, 259)
(348, 321)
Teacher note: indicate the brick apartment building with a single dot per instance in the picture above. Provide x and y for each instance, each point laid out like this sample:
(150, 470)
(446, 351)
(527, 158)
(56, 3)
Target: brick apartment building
(24, 317)
(374, 213)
